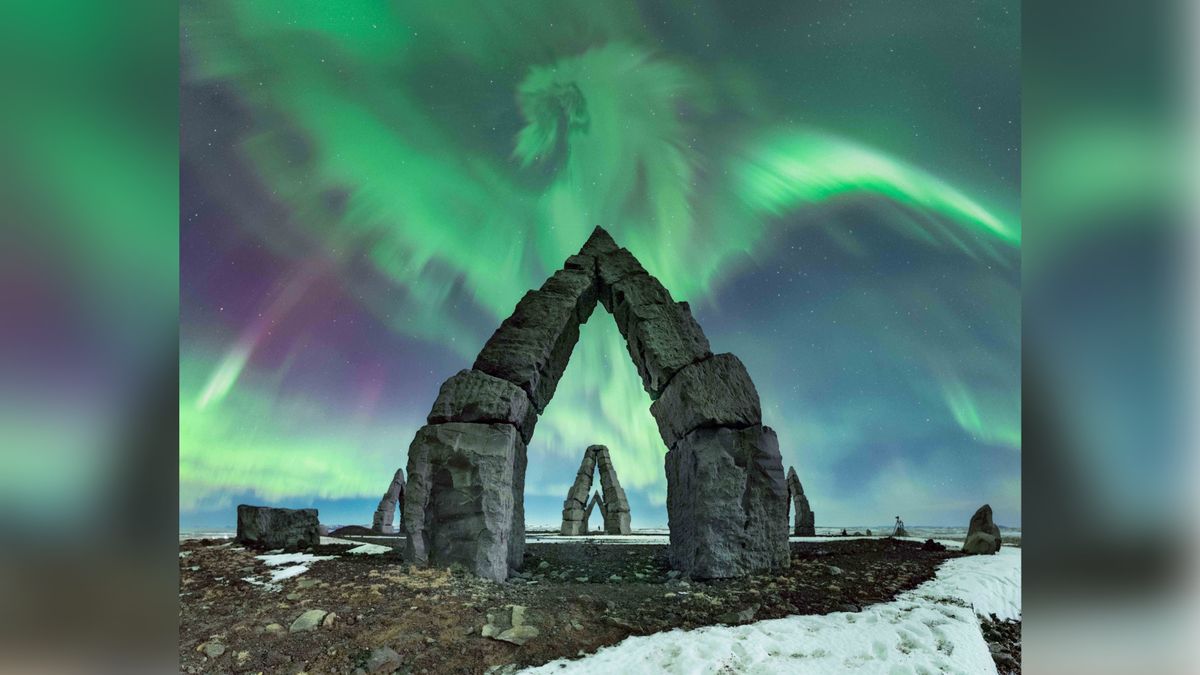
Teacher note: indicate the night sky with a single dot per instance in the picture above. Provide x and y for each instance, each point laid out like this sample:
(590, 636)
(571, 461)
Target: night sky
(368, 188)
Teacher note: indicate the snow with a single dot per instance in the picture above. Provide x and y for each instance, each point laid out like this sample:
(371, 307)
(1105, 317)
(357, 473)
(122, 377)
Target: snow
(274, 559)
(297, 564)
(932, 628)
(369, 549)
(288, 572)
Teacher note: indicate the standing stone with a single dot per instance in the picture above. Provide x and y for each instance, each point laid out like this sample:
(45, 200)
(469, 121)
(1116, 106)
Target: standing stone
(385, 513)
(459, 504)
(983, 537)
(727, 502)
(269, 527)
(805, 519)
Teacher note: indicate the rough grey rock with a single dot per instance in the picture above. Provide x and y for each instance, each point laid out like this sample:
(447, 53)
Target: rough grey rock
(805, 519)
(466, 469)
(385, 513)
(716, 392)
(530, 348)
(741, 616)
(587, 513)
(599, 242)
(307, 621)
(213, 649)
(632, 292)
(459, 505)
(661, 340)
(383, 660)
(983, 537)
(509, 625)
(611, 268)
(727, 502)
(614, 506)
(474, 396)
(270, 527)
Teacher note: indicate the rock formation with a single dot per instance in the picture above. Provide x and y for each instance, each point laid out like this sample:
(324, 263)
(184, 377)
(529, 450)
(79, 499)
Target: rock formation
(804, 516)
(982, 534)
(597, 500)
(614, 506)
(385, 513)
(726, 493)
(269, 527)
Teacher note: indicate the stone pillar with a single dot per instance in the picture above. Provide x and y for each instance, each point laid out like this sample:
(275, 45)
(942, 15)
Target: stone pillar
(459, 505)
(385, 513)
(574, 520)
(726, 491)
(615, 505)
(727, 502)
(805, 518)
(597, 500)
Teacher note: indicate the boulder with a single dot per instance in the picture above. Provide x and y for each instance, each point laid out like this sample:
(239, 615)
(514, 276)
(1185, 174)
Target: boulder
(465, 481)
(509, 625)
(383, 660)
(268, 527)
(474, 396)
(983, 537)
(307, 621)
(727, 502)
(385, 513)
(715, 392)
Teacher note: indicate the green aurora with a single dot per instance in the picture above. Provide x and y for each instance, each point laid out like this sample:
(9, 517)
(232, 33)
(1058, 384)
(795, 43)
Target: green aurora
(433, 161)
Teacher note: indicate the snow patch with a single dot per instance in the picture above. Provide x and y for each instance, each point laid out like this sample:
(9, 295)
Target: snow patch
(273, 559)
(369, 549)
(932, 628)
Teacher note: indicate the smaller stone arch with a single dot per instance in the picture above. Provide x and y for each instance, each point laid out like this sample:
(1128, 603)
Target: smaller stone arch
(614, 506)
(385, 513)
(805, 518)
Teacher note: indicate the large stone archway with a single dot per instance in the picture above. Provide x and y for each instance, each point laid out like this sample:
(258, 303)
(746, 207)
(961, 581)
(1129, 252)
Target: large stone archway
(726, 492)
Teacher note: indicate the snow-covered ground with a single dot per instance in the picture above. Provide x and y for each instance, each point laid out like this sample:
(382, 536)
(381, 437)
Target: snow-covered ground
(933, 628)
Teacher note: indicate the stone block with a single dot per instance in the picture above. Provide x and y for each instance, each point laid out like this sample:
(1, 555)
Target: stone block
(715, 392)
(727, 502)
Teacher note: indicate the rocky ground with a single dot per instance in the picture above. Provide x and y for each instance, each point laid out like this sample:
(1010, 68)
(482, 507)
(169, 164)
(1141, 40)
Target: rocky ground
(376, 613)
(1004, 641)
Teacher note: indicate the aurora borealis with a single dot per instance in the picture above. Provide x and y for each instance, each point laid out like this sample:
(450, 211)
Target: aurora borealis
(368, 188)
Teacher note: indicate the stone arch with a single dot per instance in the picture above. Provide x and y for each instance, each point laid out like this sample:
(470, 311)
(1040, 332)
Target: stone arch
(614, 506)
(805, 518)
(385, 513)
(726, 492)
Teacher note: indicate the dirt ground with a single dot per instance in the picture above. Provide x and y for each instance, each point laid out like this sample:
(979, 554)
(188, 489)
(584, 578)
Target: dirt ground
(579, 597)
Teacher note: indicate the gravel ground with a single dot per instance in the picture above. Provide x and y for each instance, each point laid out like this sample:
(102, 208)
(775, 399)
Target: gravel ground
(578, 596)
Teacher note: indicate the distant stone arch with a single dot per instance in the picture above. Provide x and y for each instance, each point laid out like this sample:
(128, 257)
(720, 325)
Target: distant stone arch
(805, 519)
(385, 513)
(614, 506)
(726, 492)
